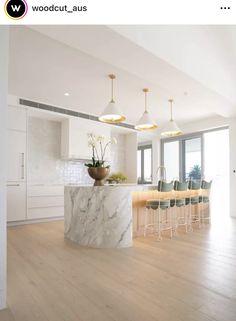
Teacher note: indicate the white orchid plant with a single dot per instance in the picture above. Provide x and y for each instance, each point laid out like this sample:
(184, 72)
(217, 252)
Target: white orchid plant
(99, 146)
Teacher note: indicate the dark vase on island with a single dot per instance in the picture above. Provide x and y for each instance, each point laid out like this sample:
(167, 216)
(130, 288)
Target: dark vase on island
(98, 174)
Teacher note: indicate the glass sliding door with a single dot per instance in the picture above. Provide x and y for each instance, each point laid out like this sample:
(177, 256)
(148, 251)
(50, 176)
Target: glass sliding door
(171, 160)
(202, 155)
(183, 157)
(192, 162)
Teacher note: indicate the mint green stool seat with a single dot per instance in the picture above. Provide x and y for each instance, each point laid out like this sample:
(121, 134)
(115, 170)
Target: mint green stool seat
(181, 219)
(154, 204)
(194, 200)
(194, 185)
(179, 202)
(160, 210)
(164, 186)
(206, 185)
(180, 186)
(204, 201)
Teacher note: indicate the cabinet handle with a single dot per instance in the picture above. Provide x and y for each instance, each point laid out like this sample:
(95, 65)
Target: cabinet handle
(22, 165)
(13, 184)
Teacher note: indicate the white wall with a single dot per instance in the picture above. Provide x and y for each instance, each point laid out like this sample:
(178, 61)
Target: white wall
(118, 153)
(156, 160)
(232, 161)
(131, 144)
(4, 38)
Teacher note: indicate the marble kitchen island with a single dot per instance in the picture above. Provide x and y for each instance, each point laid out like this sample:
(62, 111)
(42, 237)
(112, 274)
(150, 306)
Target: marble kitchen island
(105, 216)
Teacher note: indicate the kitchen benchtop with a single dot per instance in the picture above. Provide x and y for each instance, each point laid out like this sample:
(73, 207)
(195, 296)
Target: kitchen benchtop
(101, 216)
(113, 185)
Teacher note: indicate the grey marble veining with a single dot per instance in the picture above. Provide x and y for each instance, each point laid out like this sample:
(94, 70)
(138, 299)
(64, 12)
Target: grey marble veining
(100, 217)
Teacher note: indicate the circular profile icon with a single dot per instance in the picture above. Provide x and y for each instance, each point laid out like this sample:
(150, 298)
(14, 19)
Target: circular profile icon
(16, 9)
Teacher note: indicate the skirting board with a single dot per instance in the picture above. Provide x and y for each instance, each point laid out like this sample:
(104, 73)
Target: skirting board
(42, 220)
(2, 300)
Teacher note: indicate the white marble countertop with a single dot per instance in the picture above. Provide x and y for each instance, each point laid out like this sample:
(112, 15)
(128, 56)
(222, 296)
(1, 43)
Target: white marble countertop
(101, 216)
(113, 185)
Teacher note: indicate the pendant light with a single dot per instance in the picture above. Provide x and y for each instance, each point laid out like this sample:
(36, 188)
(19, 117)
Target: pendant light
(112, 113)
(171, 129)
(145, 122)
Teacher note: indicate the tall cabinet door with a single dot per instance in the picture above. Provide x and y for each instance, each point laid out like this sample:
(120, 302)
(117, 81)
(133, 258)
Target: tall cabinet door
(16, 202)
(16, 156)
(16, 162)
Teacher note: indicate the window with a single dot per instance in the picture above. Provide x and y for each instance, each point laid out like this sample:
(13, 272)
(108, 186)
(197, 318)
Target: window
(171, 159)
(183, 157)
(202, 155)
(187, 156)
(192, 158)
(144, 155)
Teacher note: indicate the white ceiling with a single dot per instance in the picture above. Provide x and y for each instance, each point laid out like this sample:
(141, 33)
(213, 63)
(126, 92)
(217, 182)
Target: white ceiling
(47, 61)
(205, 53)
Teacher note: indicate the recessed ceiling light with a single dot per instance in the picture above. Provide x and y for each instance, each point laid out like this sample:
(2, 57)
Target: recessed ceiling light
(66, 94)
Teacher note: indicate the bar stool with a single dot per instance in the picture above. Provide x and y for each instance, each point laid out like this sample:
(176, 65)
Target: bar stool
(180, 202)
(204, 199)
(161, 210)
(194, 200)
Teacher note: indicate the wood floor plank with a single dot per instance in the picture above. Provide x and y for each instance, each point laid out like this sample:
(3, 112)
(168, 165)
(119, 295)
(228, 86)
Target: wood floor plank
(6, 315)
(188, 278)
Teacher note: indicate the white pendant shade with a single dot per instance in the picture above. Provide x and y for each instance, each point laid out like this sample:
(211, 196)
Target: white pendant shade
(171, 129)
(112, 114)
(145, 122)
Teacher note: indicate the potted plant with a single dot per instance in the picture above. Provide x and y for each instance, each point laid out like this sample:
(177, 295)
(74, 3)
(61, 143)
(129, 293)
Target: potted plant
(117, 178)
(97, 169)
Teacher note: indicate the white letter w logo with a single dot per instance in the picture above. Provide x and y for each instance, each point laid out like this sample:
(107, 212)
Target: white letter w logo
(15, 8)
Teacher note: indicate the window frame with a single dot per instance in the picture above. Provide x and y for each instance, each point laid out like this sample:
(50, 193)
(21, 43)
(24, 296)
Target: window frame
(181, 139)
(142, 148)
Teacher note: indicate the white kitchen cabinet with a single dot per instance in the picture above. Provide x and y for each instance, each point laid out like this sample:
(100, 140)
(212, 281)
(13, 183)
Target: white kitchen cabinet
(16, 201)
(17, 118)
(45, 201)
(16, 156)
(16, 163)
(45, 190)
(74, 139)
(45, 213)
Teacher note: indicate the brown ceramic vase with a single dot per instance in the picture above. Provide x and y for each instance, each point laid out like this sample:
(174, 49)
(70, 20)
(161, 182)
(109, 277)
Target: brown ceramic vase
(98, 174)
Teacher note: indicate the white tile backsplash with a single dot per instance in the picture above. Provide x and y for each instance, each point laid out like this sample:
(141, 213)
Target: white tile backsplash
(44, 156)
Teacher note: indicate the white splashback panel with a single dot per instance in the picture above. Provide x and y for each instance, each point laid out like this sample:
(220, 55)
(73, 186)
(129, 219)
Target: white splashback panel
(44, 158)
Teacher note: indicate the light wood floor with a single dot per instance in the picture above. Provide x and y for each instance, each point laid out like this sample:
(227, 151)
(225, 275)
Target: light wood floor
(189, 278)
(6, 315)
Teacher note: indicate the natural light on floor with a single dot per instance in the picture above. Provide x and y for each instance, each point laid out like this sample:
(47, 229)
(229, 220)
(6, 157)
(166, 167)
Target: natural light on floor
(216, 161)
